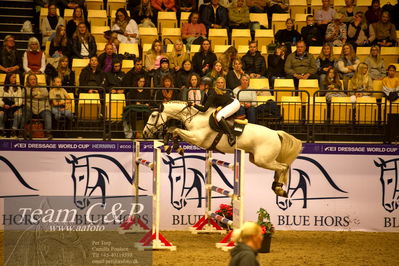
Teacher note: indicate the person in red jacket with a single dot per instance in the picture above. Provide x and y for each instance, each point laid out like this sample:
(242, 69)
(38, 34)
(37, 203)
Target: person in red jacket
(164, 5)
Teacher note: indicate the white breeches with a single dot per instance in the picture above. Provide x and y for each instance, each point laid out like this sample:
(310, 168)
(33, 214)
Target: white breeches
(228, 110)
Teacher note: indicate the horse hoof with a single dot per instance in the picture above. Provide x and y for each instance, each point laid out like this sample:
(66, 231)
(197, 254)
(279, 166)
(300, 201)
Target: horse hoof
(281, 192)
(168, 149)
(180, 151)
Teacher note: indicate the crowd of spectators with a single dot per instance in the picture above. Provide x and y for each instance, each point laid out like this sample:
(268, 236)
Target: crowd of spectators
(347, 27)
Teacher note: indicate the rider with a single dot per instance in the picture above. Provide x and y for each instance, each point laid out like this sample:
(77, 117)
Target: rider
(221, 97)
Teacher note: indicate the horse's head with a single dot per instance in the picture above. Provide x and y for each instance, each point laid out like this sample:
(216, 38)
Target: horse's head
(155, 123)
(389, 181)
(80, 177)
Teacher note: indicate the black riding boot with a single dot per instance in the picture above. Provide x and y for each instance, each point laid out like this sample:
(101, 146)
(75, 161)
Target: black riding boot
(230, 137)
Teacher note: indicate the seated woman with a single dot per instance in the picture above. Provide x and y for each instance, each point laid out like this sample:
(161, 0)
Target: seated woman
(144, 14)
(92, 75)
(66, 74)
(376, 64)
(136, 100)
(59, 44)
(203, 60)
(248, 99)
(288, 36)
(193, 31)
(349, 11)
(324, 62)
(336, 33)
(347, 64)
(126, 25)
(164, 5)
(154, 56)
(234, 76)
(229, 105)
(167, 93)
(360, 83)
(239, 15)
(390, 84)
(227, 58)
(193, 92)
(10, 104)
(83, 43)
(34, 60)
(182, 76)
(373, 12)
(383, 32)
(50, 23)
(37, 103)
(72, 25)
(276, 64)
(60, 101)
(178, 56)
(217, 71)
(332, 83)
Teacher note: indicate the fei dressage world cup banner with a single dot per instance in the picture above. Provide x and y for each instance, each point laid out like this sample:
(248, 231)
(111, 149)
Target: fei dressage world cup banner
(331, 186)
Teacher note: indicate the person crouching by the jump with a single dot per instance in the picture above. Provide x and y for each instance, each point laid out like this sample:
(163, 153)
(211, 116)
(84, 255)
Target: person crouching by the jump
(223, 98)
(249, 239)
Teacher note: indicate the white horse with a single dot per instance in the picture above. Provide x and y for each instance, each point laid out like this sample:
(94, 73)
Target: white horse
(269, 149)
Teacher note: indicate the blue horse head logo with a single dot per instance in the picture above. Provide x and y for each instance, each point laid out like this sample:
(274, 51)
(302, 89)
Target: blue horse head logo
(299, 190)
(389, 181)
(185, 180)
(88, 178)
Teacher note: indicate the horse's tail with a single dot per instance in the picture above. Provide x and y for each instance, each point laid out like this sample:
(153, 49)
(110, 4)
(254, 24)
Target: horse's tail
(290, 149)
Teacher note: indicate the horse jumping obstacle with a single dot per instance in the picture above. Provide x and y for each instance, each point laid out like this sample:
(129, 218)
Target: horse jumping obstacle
(208, 224)
(153, 239)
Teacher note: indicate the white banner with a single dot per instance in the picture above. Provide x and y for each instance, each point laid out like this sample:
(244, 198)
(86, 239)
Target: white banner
(331, 187)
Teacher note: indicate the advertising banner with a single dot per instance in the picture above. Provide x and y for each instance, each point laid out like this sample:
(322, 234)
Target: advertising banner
(331, 186)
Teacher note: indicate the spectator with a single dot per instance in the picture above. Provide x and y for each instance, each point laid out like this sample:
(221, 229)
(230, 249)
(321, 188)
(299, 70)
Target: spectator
(66, 75)
(83, 43)
(135, 98)
(186, 6)
(34, 60)
(347, 64)
(249, 239)
(360, 83)
(60, 101)
(182, 76)
(326, 14)
(276, 63)
(168, 93)
(203, 60)
(10, 61)
(390, 84)
(106, 59)
(50, 24)
(253, 62)
(234, 76)
(71, 4)
(37, 103)
(154, 56)
(373, 12)
(217, 71)
(161, 72)
(257, 6)
(145, 15)
(336, 33)
(375, 64)
(239, 15)
(227, 58)
(311, 33)
(288, 36)
(72, 25)
(132, 76)
(333, 84)
(248, 99)
(194, 94)
(193, 31)
(215, 16)
(383, 32)
(10, 104)
(178, 56)
(277, 6)
(92, 75)
(356, 34)
(164, 5)
(324, 62)
(59, 44)
(349, 11)
(115, 77)
(126, 25)
(300, 64)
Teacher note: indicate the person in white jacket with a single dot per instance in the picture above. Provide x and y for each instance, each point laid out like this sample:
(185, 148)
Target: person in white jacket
(129, 31)
(50, 23)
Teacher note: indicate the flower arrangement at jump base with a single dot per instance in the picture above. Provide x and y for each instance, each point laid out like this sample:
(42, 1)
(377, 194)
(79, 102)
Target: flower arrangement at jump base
(226, 211)
(267, 229)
